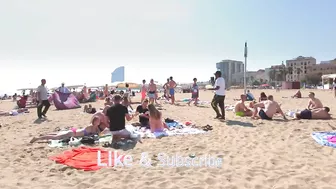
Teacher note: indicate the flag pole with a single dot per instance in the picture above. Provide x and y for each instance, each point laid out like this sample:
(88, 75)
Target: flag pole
(245, 63)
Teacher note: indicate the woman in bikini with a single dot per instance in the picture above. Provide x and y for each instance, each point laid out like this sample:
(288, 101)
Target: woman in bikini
(98, 125)
(156, 123)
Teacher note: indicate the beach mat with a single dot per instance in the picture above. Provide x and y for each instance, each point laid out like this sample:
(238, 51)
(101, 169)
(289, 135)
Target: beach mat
(181, 130)
(84, 158)
(325, 138)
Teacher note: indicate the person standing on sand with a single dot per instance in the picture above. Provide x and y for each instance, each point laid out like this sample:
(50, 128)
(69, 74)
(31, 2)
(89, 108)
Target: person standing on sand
(151, 91)
(42, 98)
(106, 91)
(194, 93)
(143, 90)
(219, 96)
(166, 90)
(63, 89)
(172, 86)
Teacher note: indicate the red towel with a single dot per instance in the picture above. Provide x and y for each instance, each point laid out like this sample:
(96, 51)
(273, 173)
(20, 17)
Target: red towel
(85, 158)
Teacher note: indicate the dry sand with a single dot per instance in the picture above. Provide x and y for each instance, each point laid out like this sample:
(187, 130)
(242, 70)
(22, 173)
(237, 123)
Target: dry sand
(268, 154)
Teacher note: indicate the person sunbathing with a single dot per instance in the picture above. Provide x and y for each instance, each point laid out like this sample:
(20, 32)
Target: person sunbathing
(318, 113)
(297, 94)
(97, 126)
(270, 109)
(108, 101)
(156, 123)
(89, 109)
(14, 112)
(314, 103)
(241, 109)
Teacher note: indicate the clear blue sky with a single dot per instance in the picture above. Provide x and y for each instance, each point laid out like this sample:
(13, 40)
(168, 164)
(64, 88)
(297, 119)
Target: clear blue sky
(83, 41)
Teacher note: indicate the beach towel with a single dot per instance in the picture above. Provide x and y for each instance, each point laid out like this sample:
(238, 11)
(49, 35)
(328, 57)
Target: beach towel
(84, 158)
(181, 130)
(325, 138)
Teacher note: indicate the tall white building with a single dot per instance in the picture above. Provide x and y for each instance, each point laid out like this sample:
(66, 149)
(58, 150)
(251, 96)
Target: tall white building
(229, 67)
(298, 67)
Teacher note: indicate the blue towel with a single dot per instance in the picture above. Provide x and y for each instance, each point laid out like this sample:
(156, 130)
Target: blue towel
(172, 124)
(322, 138)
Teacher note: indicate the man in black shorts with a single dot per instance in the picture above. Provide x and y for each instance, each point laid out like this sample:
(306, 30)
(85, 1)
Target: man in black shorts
(117, 114)
(219, 97)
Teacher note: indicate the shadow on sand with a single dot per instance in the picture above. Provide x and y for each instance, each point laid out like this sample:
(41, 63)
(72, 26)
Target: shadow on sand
(124, 144)
(39, 121)
(238, 123)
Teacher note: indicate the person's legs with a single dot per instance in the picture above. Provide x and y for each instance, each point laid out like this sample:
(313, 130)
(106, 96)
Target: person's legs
(172, 95)
(39, 110)
(214, 104)
(221, 105)
(47, 105)
(53, 137)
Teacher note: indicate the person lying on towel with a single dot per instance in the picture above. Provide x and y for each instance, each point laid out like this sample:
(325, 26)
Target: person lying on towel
(319, 113)
(98, 125)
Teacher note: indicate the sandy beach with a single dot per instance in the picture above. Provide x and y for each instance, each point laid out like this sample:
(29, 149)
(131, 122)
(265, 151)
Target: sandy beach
(256, 154)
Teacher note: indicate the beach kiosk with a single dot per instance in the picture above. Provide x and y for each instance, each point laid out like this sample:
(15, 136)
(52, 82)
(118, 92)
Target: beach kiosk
(327, 80)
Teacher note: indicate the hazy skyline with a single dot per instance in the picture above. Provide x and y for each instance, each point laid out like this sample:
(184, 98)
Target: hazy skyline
(82, 41)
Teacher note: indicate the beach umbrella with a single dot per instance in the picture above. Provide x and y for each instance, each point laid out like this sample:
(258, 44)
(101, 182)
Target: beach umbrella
(131, 85)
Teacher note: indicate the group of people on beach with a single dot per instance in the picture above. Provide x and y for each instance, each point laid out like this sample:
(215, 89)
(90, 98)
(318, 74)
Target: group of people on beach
(267, 107)
(112, 119)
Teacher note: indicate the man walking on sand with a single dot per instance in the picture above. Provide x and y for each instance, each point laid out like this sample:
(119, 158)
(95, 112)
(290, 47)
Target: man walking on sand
(42, 98)
(219, 96)
(172, 85)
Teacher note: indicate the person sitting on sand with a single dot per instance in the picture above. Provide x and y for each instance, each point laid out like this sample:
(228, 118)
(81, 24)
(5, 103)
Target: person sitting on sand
(249, 96)
(89, 109)
(313, 102)
(271, 108)
(142, 111)
(241, 109)
(97, 126)
(262, 97)
(318, 113)
(116, 115)
(108, 102)
(22, 102)
(126, 102)
(297, 94)
(14, 112)
(155, 119)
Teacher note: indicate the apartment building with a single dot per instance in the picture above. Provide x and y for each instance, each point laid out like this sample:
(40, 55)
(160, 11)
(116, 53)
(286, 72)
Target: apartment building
(298, 67)
(228, 68)
(321, 69)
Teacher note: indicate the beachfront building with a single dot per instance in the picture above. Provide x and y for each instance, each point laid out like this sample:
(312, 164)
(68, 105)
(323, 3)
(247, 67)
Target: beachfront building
(228, 68)
(297, 68)
(118, 75)
(276, 74)
(251, 76)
